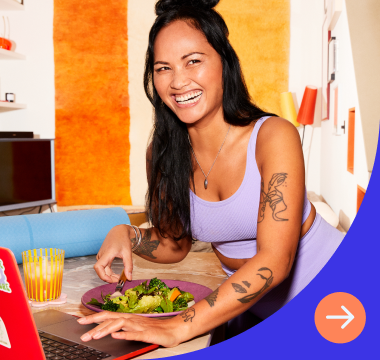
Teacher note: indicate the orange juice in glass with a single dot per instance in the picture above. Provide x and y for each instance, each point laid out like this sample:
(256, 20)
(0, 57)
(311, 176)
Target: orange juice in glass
(43, 272)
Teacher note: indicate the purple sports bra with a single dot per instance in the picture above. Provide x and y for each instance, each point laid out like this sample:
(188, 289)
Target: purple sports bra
(231, 225)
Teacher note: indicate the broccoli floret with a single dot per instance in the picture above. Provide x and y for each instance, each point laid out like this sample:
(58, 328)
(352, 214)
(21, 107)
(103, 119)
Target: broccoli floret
(179, 304)
(158, 284)
(110, 306)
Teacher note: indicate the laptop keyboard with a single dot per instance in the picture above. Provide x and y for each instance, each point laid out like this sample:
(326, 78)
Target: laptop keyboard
(57, 348)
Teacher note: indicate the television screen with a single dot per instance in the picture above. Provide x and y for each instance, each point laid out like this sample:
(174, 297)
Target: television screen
(26, 177)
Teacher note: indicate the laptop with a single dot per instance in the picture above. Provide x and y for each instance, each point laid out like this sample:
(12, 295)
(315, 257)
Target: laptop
(49, 334)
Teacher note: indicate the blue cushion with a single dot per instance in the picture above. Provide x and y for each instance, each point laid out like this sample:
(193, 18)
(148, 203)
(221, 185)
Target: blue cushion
(79, 233)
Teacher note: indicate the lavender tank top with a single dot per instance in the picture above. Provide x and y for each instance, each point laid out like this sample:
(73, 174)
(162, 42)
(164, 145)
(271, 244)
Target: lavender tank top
(231, 225)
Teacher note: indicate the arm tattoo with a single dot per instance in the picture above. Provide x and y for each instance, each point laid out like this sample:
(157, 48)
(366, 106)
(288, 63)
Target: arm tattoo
(188, 315)
(246, 283)
(211, 299)
(239, 289)
(147, 246)
(250, 297)
(274, 197)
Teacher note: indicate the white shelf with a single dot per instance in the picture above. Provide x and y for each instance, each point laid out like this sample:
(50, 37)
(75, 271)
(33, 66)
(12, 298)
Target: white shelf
(11, 5)
(10, 55)
(8, 106)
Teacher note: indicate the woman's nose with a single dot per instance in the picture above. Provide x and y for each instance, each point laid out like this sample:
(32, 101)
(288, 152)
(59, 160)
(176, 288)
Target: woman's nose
(180, 80)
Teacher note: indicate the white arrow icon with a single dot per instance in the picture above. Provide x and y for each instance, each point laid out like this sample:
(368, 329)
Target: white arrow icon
(349, 317)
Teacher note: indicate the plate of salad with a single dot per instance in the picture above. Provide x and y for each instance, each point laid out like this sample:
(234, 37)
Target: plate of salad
(150, 297)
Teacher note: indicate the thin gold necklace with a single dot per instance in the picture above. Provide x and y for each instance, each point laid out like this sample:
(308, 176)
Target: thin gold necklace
(192, 150)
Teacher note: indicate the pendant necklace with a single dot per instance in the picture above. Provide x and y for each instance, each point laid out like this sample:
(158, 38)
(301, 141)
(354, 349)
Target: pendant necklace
(192, 150)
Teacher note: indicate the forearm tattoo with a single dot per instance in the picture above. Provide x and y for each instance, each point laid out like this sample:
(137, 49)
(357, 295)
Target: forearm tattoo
(240, 289)
(188, 315)
(211, 299)
(147, 245)
(273, 197)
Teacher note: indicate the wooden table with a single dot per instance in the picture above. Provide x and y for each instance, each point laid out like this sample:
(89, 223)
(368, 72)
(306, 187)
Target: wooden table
(79, 277)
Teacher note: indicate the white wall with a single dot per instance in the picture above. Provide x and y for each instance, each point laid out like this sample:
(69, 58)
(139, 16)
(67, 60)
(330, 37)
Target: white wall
(140, 19)
(305, 68)
(338, 186)
(32, 80)
(325, 153)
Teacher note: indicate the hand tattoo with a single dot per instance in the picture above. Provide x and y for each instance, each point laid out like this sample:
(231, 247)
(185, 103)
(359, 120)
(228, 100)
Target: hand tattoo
(274, 197)
(147, 246)
(188, 315)
(250, 297)
(211, 299)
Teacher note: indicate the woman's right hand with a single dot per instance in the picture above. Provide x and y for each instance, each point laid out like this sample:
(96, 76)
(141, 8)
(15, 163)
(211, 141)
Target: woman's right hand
(116, 244)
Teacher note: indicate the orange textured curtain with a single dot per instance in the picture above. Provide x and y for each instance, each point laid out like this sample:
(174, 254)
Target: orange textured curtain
(260, 35)
(92, 102)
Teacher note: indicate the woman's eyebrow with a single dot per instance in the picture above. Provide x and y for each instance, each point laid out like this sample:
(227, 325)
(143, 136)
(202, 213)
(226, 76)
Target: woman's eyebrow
(182, 58)
(161, 62)
(192, 53)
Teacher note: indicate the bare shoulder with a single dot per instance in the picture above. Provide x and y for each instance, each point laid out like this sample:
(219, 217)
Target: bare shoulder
(277, 137)
(277, 128)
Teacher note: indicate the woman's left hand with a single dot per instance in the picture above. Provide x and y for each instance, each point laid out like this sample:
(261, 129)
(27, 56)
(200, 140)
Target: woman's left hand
(135, 327)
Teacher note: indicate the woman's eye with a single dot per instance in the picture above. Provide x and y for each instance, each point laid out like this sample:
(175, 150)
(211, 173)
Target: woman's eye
(162, 69)
(191, 62)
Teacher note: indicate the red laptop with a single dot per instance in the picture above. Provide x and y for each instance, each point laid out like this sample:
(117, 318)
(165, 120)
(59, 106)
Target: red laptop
(48, 334)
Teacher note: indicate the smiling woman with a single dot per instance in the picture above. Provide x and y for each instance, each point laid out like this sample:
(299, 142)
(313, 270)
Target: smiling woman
(250, 202)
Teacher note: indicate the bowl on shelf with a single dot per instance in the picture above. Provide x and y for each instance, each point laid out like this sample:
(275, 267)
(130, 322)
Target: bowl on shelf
(5, 44)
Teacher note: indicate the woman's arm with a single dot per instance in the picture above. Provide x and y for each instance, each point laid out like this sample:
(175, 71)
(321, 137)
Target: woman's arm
(280, 161)
(153, 247)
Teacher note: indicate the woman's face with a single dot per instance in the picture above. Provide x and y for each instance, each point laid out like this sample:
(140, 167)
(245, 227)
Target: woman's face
(187, 73)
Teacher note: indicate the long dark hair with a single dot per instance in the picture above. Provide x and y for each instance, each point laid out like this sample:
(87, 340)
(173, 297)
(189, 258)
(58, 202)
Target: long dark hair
(170, 167)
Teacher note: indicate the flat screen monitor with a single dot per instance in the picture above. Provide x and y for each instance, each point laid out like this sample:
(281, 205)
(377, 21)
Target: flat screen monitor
(26, 173)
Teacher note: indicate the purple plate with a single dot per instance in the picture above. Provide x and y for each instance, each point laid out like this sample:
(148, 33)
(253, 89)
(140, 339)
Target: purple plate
(199, 292)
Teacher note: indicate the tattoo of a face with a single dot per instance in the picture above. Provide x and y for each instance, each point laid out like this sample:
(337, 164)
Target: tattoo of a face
(246, 283)
(147, 246)
(211, 299)
(239, 289)
(268, 282)
(273, 197)
(188, 315)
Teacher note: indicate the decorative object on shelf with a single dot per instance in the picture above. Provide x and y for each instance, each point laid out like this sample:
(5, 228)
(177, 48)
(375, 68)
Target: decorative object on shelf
(306, 113)
(333, 59)
(10, 97)
(288, 109)
(4, 41)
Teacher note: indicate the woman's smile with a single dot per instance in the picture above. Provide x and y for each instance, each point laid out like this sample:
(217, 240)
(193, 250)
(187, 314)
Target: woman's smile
(188, 99)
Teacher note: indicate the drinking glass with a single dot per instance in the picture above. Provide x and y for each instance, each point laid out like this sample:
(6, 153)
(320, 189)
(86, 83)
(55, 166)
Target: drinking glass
(43, 272)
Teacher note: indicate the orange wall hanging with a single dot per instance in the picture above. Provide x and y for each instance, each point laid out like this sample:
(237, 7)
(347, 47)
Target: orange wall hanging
(260, 35)
(92, 102)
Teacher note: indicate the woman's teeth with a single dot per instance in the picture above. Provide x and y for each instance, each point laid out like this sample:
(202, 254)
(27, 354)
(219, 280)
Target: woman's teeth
(189, 98)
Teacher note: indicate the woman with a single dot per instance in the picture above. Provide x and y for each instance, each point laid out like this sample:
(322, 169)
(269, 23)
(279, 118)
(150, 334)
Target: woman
(220, 170)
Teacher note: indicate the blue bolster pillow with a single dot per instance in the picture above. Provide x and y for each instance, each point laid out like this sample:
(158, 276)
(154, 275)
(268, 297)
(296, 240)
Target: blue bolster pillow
(79, 233)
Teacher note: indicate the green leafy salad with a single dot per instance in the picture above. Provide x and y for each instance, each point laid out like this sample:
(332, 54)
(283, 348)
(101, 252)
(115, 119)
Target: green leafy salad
(155, 297)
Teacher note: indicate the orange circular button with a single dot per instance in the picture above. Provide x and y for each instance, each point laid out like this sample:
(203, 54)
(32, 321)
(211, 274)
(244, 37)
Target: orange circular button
(340, 317)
